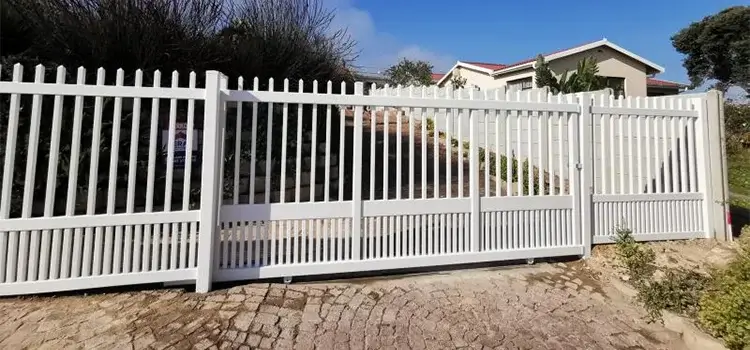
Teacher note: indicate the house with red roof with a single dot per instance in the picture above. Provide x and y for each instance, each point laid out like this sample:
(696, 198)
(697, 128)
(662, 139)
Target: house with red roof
(626, 73)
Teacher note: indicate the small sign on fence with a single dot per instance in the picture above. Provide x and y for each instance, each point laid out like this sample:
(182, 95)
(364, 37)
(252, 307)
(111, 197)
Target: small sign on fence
(180, 144)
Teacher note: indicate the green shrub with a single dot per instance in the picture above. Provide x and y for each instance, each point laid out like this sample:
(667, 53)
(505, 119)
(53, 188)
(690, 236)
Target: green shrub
(737, 126)
(679, 290)
(636, 260)
(725, 307)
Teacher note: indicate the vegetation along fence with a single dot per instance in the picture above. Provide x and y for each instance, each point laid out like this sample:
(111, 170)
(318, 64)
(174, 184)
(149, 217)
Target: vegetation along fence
(137, 178)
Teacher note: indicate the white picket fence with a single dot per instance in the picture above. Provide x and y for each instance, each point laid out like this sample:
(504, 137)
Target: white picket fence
(279, 181)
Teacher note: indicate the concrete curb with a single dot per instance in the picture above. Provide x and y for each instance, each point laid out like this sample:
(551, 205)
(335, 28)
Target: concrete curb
(692, 336)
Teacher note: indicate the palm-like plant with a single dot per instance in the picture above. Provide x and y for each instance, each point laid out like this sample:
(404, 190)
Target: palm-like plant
(585, 78)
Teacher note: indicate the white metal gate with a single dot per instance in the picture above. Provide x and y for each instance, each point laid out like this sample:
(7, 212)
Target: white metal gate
(217, 184)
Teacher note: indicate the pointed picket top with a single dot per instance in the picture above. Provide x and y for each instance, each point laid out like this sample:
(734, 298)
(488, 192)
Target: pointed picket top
(256, 84)
(315, 86)
(17, 72)
(286, 85)
(192, 82)
(60, 75)
(240, 83)
(343, 88)
(329, 87)
(100, 76)
(138, 78)
(637, 102)
(628, 101)
(157, 78)
(270, 84)
(81, 76)
(39, 74)
(300, 87)
(373, 87)
(175, 79)
(549, 96)
(120, 77)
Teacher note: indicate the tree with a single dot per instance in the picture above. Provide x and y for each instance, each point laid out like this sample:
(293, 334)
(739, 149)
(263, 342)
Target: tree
(543, 75)
(457, 81)
(408, 72)
(280, 39)
(717, 48)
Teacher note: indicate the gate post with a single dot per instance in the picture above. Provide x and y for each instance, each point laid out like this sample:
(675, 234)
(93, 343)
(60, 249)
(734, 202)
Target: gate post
(476, 212)
(210, 177)
(357, 176)
(586, 171)
(716, 187)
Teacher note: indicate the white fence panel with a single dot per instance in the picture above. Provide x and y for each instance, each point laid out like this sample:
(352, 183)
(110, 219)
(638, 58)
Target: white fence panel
(109, 223)
(646, 173)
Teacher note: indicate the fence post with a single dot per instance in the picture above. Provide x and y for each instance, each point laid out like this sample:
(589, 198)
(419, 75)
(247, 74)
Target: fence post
(475, 215)
(586, 173)
(714, 181)
(210, 192)
(357, 176)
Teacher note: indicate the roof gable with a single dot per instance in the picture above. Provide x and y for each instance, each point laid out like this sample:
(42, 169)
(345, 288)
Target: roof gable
(529, 63)
(498, 68)
(482, 67)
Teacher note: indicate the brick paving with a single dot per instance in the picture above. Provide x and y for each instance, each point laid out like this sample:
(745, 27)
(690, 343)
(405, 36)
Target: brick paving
(538, 307)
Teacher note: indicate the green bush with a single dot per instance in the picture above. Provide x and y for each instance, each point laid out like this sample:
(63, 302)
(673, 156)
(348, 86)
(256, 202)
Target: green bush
(679, 290)
(737, 126)
(636, 260)
(725, 307)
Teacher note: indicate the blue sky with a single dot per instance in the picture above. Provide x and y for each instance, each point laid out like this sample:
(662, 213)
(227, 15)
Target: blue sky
(506, 31)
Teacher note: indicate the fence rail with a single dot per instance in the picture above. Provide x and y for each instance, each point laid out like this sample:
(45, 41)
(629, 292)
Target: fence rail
(138, 179)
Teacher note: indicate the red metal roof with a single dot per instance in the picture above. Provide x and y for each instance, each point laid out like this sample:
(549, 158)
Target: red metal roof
(490, 66)
(437, 76)
(663, 83)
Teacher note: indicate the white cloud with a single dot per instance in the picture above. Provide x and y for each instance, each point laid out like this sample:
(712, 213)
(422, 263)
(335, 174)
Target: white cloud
(379, 49)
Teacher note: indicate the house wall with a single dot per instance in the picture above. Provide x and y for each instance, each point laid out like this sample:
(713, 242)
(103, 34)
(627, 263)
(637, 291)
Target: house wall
(612, 64)
(525, 73)
(482, 80)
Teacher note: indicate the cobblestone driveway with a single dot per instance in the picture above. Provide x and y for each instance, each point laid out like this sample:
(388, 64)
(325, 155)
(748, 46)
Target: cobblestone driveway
(538, 307)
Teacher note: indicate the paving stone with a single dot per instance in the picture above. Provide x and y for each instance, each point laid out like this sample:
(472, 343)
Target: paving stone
(473, 309)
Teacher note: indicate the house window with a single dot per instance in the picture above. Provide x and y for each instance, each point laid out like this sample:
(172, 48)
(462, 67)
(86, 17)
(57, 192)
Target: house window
(616, 84)
(521, 84)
